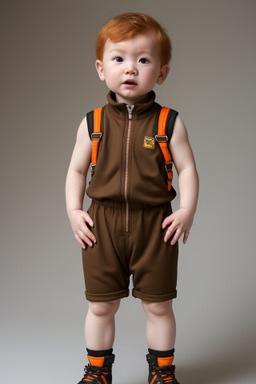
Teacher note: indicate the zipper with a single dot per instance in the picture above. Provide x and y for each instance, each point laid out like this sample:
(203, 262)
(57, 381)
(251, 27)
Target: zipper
(129, 109)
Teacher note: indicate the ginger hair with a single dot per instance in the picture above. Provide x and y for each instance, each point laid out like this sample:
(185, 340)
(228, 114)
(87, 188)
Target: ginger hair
(126, 26)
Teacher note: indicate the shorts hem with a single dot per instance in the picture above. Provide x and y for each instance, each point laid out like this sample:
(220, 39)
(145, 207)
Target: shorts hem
(154, 298)
(100, 297)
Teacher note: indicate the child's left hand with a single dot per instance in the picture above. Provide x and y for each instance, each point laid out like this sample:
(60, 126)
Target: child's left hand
(178, 223)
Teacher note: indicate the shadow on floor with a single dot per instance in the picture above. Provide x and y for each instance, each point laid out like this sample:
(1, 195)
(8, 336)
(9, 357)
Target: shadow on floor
(229, 360)
(217, 371)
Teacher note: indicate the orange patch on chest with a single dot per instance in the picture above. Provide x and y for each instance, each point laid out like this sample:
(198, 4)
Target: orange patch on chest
(149, 142)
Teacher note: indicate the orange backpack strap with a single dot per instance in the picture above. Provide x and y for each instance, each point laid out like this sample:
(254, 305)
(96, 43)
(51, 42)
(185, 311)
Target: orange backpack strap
(165, 124)
(95, 127)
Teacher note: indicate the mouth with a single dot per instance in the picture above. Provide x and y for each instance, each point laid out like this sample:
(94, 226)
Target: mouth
(130, 82)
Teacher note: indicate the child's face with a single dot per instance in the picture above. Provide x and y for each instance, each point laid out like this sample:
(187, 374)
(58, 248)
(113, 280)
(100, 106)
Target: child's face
(131, 68)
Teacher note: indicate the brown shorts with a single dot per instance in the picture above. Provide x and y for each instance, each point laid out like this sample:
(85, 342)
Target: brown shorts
(140, 252)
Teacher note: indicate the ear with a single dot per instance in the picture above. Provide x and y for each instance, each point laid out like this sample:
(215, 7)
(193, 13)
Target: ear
(163, 73)
(99, 68)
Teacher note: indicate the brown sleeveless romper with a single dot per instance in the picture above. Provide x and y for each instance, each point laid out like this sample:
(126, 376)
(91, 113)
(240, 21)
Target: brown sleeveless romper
(130, 200)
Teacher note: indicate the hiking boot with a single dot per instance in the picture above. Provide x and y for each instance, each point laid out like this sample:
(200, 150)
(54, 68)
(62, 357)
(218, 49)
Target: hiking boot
(99, 370)
(161, 370)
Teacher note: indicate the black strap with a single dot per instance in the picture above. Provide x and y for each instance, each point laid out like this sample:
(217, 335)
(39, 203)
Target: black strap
(89, 118)
(90, 122)
(170, 123)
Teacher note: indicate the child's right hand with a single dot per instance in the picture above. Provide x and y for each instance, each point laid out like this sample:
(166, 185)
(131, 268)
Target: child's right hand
(83, 235)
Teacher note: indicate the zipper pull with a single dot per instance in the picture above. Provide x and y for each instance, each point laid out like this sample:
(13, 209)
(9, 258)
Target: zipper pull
(130, 109)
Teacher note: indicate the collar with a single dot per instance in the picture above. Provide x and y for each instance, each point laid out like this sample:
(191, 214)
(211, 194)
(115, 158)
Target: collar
(140, 110)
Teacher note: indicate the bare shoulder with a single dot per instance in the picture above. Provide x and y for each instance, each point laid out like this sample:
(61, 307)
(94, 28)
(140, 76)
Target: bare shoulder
(82, 136)
(82, 151)
(180, 147)
(179, 132)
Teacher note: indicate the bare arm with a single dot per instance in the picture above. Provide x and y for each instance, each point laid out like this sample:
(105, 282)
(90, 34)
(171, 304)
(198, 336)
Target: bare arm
(75, 187)
(181, 221)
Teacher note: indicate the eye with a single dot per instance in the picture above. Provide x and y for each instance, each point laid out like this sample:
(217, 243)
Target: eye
(118, 59)
(143, 60)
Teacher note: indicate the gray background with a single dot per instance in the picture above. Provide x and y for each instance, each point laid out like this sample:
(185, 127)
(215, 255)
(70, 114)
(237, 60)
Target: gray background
(48, 84)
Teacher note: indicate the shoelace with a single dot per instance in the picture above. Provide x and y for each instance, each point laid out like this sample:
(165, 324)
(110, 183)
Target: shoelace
(165, 373)
(94, 374)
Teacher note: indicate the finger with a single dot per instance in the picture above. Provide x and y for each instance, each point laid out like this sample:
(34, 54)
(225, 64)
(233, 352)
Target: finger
(80, 241)
(185, 238)
(170, 231)
(85, 238)
(176, 237)
(167, 221)
(84, 229)
(88, 219)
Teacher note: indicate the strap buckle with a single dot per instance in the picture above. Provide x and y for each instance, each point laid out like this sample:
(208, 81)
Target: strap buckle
(96, 135)
(93, 166)
(161, 139)
(168, 166)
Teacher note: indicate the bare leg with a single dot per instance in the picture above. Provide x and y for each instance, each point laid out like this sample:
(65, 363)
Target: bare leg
(160, 325)
(100, 325)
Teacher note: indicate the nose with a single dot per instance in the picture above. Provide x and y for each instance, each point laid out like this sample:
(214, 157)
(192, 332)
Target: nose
(131, 69)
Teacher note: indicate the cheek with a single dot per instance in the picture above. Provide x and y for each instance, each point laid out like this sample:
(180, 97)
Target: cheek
(111, 79)
(150, 77)
(112, 76)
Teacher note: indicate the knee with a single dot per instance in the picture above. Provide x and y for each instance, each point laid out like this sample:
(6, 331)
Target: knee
(108, 308)
(157, 309)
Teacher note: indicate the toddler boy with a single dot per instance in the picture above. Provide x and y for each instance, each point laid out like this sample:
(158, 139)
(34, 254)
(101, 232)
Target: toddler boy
(129, 228)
